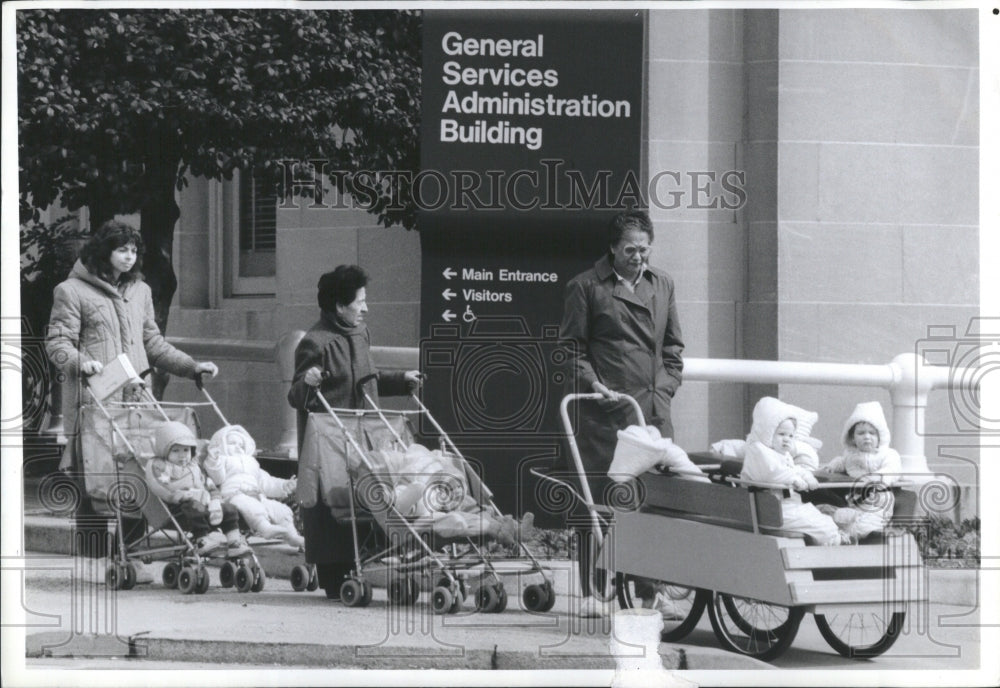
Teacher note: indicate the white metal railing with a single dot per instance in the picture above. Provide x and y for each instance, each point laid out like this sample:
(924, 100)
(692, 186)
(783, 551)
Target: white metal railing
(907, 379)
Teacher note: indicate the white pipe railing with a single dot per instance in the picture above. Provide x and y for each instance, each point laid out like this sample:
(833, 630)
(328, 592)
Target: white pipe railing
(907, 379)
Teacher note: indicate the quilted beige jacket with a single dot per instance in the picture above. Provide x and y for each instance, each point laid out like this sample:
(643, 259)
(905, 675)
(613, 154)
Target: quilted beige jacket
(92, 320)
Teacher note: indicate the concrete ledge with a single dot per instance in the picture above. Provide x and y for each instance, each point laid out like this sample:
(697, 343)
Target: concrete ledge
(954, 586)
(54, 535)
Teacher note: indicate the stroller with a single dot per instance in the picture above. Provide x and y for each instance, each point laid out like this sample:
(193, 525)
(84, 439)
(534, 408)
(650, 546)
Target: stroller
(435, 531)
(116, 443)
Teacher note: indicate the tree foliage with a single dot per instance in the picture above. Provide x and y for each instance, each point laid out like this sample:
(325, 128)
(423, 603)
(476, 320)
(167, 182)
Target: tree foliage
(113, 103)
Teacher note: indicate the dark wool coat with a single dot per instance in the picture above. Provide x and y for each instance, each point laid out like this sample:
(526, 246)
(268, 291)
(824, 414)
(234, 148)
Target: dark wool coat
(93, 321)
(345, 355)
(631, 342)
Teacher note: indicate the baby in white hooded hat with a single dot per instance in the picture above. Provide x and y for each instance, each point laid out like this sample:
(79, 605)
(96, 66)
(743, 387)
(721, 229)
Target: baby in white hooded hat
(769, 459)
(867, 458)
(248, 487)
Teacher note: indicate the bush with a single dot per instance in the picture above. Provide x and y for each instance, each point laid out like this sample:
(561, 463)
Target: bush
(945, 544)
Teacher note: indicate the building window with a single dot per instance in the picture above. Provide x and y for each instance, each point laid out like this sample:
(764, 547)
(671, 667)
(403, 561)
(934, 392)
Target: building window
(253, 244)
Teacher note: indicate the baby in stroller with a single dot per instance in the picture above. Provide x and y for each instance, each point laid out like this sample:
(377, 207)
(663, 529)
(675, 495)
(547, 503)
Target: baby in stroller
(175, 477)
(249, 488)
(428, 485)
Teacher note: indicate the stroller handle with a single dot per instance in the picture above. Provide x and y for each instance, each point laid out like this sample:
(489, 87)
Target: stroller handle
(360, 384)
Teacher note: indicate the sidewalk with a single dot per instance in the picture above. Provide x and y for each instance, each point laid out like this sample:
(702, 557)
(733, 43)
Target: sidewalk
(281, 627)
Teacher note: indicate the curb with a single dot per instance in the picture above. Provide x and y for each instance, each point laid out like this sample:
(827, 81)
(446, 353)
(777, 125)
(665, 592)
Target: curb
(53, 644)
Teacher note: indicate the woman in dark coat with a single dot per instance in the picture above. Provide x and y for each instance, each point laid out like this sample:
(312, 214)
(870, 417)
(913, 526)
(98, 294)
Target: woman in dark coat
(333, 356)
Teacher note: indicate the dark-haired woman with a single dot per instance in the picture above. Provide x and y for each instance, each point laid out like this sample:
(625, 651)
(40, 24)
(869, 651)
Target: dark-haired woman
(104, 309)
(331, 359)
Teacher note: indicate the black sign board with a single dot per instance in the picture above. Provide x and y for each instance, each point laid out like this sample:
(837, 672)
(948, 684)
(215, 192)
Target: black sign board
(531, 141)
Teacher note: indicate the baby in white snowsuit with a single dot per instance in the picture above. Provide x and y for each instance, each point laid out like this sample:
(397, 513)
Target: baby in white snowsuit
(429, 485)
(868, 458)
(768, 459)
(252, 490)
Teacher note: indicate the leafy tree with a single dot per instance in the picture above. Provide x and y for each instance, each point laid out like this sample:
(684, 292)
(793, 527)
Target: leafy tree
(115, 107)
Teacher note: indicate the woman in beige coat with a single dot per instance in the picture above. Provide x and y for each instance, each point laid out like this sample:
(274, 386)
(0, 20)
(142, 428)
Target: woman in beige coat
(102, 310)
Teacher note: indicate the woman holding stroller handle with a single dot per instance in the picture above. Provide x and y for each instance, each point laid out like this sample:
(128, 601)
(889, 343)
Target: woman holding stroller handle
(104, 309)
(622, 317)
(333, 356)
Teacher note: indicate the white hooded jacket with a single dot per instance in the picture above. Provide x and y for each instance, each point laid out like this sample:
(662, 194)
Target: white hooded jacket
(232, 466)
(762, 463)
(856, 463)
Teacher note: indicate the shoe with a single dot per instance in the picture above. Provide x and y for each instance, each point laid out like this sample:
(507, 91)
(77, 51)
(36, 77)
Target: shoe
(662, 603)
(332, 593)
(592, 608)
(142, 573)
(211, 542)
(237, 547)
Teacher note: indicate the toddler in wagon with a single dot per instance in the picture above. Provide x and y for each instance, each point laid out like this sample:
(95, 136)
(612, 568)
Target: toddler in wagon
(769, 459)
(175, 477)
(249, 488)
(869, 459)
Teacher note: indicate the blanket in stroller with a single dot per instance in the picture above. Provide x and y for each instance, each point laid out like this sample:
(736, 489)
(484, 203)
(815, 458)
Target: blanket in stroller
(432, 490)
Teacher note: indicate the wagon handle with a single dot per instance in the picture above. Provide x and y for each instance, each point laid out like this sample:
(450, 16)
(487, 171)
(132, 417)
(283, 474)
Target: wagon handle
(575, 451)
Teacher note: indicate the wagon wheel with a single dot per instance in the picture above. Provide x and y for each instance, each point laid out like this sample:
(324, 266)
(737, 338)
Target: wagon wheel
(772, 628)
(689, 602)
(776, 618)
(859, 635)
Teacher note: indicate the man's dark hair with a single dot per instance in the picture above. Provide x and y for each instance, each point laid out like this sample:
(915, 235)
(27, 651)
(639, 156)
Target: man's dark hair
(340, 287)
(96, 253)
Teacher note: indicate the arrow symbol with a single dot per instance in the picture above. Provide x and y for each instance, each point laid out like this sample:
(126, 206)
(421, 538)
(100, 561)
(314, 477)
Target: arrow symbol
(448, 316)
(449, 273)
(448, 294)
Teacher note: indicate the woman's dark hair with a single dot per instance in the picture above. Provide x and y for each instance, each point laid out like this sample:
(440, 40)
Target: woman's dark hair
(340, 286)
(96, 253)
(622, 222)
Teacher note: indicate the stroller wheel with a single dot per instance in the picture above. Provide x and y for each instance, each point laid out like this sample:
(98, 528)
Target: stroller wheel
(203, 581)
(114, 576)
(170, 573)
(551, 601)
(441, 600)
(130, 577)
(403, 590)
(314, 579)
(501, 600)
(258, 581)
(244, 579)
(456, 603)
(366, 593)
(487, 599)
(352, 593)
(535, 597)
(227, 574)
(187, 580)
(300, 577)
